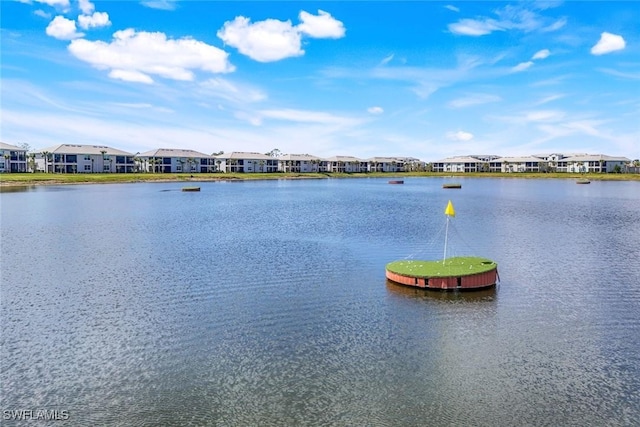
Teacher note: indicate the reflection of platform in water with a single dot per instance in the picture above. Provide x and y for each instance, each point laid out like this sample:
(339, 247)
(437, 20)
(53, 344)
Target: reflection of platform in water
(486, 294)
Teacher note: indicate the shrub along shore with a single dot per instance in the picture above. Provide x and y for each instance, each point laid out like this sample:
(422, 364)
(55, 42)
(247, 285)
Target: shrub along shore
(29, 179)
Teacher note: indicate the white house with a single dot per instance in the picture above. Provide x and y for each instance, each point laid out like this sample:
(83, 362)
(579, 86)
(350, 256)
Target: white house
(460, 164)
(345, 164)
(384, 164)
(301, 163)
(520, 164)
(174, 160)
(74, 158)
(12, 158)
(594, 163)
(244, 162)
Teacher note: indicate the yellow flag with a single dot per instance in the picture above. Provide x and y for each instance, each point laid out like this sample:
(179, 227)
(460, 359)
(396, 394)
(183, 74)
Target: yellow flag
(449, 210)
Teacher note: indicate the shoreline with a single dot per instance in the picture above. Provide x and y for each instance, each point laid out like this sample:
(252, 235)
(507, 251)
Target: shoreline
(42, 179)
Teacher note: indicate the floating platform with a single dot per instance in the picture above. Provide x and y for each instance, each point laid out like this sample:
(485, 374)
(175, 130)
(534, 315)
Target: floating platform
(452, 185)
(396, 182)
(583, 181)
(457, 273)
(190, 188)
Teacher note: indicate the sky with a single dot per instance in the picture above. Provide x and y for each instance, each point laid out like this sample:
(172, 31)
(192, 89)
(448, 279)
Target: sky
(424, 79)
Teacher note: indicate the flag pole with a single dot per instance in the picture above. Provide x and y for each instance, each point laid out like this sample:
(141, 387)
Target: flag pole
(446, 235)
(449, 212)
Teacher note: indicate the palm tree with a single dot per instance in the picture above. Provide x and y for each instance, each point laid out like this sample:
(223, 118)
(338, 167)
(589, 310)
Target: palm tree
(45, 156)
(7, 157)
(31, 164)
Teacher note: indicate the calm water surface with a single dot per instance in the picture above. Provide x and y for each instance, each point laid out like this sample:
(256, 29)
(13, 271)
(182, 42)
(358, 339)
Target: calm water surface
(265, 303)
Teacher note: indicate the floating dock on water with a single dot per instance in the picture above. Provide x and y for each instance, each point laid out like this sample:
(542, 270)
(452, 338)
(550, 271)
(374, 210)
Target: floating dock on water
(452, 185)
(457, 273)
(396, 181)
(190, 188)
(454, 273)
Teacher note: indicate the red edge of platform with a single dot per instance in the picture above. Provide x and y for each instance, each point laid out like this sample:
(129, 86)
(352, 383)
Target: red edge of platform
(470, 282)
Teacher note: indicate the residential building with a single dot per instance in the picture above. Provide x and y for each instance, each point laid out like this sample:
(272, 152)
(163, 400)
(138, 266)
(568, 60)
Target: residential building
(175, 160)
(595, 163)
(12, 159)
(345, 164)
(460, 164)
(244, 162)
(520, 164)
(301, 163)
(74, 158)
(384, 164)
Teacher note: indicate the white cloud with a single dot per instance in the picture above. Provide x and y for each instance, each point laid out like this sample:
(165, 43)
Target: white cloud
(452, 8)
(544, 116)
(159, 4)
(86, 7)
(522, 66)
(472, 100)
(62, 28)
(224, 89)
(64, 4)
(608, 43)
(272, 40)
(459, 136)
(510, 17)
(555, 26)
(135, 56)
(130, 76)
(541, 54)
(472, 27)
(303, 116)
(42, 14)
(265, 41)
(322, 25)
(549, 98)
(98, 19)
(386, 60)
(375, 110)
(629, 75)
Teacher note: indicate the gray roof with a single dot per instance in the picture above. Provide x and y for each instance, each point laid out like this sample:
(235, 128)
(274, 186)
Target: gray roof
(241, 155)
(459, 159)
(173, 152)
(522, 159)
(594, 158)
(298, 157)
(383, 159)
(344, 159)
(83, 149)
(10, 147)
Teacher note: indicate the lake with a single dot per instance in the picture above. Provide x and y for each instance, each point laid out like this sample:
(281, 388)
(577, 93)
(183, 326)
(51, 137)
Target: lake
(265, 303)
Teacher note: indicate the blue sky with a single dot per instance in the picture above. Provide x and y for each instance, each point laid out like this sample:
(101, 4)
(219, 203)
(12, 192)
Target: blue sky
(426, 79)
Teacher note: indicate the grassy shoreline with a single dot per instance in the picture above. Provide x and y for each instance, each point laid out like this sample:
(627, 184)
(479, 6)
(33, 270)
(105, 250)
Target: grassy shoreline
(30, 179)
